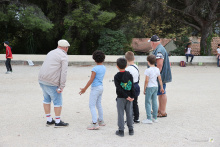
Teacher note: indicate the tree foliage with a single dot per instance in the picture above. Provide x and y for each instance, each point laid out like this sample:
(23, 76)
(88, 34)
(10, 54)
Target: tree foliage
(112, 42)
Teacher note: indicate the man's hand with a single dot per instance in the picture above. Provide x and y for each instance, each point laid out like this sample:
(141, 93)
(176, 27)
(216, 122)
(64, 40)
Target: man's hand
(144, 92)
(162, 90)
(82, 90)
(59, 90)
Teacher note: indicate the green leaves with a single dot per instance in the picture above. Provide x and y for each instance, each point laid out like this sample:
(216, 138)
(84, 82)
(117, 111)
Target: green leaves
(112, 42)
(88, 18)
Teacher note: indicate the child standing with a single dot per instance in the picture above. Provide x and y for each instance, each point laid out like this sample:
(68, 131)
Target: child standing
(98, 73)
(151, 88)
(8, 57)
(125, 95)
(218, 55)
(133, 69)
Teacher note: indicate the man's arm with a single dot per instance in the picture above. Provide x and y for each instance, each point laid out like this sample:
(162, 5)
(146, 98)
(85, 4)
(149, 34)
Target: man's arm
(160, 63)
(63, 73)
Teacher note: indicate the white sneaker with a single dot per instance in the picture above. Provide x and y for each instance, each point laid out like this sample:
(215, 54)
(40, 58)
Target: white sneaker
(8, 72)
(147, 121)
(155, 120)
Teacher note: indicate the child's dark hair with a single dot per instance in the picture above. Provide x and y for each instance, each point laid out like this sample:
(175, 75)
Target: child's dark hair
(151, 59)
(188, 44)
(218, 44)
(121, 63)
(98, 56)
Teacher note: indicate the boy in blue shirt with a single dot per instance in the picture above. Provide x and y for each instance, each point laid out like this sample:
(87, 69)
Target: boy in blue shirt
(98, 73)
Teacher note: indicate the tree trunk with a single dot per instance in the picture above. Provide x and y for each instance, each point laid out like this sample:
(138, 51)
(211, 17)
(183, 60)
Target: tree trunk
(205, 45)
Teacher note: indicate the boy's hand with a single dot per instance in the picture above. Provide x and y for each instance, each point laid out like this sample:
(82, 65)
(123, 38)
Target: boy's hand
(82, 90)
(130, 99)
(162, 90)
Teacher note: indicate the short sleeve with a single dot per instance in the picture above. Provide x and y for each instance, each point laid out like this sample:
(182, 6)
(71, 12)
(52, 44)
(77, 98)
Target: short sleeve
(159, 55)
(158, 72)
(147, 73)
(94, 69)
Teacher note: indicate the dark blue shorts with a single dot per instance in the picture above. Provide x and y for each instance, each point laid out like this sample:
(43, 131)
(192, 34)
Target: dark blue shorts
(164, 87)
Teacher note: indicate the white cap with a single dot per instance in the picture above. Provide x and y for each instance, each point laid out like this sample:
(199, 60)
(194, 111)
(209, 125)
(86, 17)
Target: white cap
(63, 43)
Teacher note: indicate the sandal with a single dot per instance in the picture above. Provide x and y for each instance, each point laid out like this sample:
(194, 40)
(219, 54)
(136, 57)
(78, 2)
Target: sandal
(162, 115)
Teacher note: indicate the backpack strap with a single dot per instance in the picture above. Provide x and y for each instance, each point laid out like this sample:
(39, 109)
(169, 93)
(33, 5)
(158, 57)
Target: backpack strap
(138, 73)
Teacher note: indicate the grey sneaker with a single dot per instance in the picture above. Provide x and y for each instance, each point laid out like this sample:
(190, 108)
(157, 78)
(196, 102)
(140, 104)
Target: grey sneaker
(101, 123)
(93, 126)
(8, 72)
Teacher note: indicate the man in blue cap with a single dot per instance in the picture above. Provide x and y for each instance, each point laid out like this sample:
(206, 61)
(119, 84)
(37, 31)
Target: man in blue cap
(162, 62)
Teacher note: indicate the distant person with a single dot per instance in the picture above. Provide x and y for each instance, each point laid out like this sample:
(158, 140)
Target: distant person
(133, 69)
(162, 62)
(95, 99)
(151, 88)
(8, 57)
(218, 55)
(125, 95)
(188, 52)
(52, 79)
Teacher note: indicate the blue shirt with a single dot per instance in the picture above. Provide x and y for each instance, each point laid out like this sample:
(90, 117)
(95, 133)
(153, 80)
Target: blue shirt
(100, 73)
(160, 52)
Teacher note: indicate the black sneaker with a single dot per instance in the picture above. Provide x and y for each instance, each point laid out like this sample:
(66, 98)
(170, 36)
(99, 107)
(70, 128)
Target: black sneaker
(50, 123)
(131, 132)
(120, 133)
(137, 121)
(61, 124)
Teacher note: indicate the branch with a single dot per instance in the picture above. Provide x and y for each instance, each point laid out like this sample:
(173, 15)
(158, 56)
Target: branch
(188, 23)
(175, 9)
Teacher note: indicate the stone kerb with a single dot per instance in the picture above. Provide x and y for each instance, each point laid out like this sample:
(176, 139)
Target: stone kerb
(20, 59)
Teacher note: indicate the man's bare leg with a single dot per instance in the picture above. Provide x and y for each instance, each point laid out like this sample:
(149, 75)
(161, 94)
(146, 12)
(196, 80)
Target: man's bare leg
(162, 103)
(57, 111)
(46, 108)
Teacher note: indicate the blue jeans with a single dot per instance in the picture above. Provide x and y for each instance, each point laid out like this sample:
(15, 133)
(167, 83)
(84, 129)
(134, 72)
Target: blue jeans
(189, 55)
(50, 94)
(95, 101)
(151, 98)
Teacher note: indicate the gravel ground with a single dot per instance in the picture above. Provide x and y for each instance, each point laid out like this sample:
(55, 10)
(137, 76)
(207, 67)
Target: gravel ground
(193, 106)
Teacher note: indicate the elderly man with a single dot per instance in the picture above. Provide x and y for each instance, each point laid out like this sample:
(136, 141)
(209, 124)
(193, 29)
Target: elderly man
(163, 64)
(52, 79)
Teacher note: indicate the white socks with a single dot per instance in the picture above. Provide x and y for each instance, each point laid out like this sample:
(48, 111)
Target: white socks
(57, 119)
(49, 118)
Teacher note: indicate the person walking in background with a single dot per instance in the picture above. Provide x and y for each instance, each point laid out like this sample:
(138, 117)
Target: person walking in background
(95, 99)
(125, 95)
(8, 57)
(163, 63)
(188, 52)
(133, 69)
(52, 79)
(151, 88)
(218, 55)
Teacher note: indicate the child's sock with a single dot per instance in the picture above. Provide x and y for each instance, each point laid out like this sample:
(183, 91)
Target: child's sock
(57, 119)
(49, 118)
